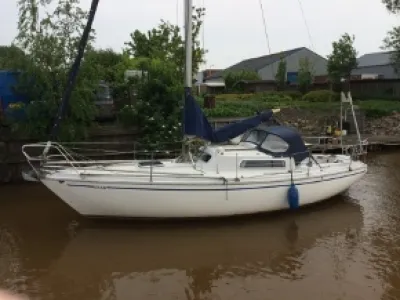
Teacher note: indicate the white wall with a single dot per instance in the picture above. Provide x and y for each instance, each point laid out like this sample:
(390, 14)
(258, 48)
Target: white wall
(199, 78)
(215, 80)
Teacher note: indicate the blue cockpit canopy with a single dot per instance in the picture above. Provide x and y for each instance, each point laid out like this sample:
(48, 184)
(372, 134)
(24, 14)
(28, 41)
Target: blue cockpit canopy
(278, 141)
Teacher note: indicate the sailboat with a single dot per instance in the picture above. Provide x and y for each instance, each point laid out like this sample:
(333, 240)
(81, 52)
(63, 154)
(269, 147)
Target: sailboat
(269, 169)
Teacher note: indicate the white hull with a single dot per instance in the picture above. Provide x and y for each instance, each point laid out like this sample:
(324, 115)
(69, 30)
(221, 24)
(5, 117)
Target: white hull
(252, 177)
(188, 200)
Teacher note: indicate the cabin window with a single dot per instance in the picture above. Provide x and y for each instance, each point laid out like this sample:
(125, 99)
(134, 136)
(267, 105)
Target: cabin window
(263, 164)
(275, 144)
(255, 136)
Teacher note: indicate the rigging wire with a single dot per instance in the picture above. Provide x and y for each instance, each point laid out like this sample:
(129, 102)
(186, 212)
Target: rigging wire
(266, 36)
(203, 29)
(177, 13)
(306, 24)
(265, 26)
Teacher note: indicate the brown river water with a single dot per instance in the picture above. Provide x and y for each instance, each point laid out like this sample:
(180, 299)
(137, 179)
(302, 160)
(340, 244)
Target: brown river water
(345, 248)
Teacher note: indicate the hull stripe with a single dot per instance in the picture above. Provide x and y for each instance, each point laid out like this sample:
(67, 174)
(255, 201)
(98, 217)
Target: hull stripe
(105, 186)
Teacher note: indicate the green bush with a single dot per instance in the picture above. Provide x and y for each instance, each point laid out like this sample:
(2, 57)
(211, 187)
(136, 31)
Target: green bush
(232, 78)
(293, 95)
(126, 116)
(235, 97)
(236, 109)
(273, 97)
(367, 97)
(157, 108)
(376, 113)
(379, 108)
(321, 96)
(260, 97)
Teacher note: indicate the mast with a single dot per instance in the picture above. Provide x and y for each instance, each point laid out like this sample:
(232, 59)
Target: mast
(188, 44)
(188, 63)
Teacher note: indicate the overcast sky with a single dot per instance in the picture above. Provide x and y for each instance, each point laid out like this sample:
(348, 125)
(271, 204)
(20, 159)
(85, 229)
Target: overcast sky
(233, 29)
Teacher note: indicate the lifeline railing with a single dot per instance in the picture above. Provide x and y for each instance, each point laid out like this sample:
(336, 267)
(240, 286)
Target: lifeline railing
(321, 143)
(81, 164)
(59, 155)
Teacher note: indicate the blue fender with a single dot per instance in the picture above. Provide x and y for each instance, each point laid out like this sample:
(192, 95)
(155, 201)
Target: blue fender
(293, 197)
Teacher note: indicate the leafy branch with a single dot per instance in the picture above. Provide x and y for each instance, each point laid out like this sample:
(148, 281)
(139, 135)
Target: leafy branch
(343, 58)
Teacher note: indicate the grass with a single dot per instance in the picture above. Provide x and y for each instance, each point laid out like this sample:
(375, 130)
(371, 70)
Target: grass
(379, 108)
(248, 104)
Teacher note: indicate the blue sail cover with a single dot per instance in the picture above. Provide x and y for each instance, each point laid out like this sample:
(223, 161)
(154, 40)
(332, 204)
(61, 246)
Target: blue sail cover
(196, 123)
(233, 130)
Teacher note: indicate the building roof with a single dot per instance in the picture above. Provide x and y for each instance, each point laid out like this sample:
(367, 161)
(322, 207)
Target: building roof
(383, 71)
(207, 73)
(257, 63)
(375, 59)
(211, 70)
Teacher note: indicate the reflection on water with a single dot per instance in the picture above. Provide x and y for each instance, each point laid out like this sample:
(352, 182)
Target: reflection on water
(346, 248)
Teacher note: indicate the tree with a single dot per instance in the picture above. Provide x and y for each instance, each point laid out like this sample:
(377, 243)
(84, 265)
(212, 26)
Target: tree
(105, 63)
(53, 40)
(159, 53)
(166, 43)
(231, 78)
(157, 109)
(280, 76)
(12, 58)
(392, 5)
(51, 44)
(392, 40)
(305, 74)
(343, 58)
